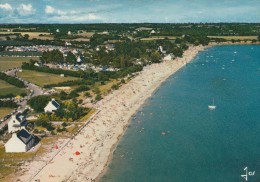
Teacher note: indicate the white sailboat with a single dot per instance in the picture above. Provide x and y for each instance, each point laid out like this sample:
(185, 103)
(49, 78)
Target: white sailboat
(212, 107)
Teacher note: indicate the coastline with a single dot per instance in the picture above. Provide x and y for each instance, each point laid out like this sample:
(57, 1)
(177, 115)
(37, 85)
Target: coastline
(97, 140)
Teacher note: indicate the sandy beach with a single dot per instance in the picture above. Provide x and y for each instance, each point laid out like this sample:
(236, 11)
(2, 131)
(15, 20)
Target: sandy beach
(86, 156)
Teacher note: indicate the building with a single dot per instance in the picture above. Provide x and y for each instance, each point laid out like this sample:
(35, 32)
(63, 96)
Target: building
(21, 141)
(168, 57)
(53, 105)
(17, 122)
(79, 59)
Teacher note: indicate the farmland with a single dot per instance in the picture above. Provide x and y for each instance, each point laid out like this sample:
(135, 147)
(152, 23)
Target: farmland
(4, 111)
(32, 35)
(159, 38)
(13, 62)
(235, 37)
(6, 88)
(41, 79)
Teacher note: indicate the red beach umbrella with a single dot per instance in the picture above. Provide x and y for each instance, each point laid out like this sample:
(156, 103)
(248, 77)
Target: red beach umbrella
(77, 153)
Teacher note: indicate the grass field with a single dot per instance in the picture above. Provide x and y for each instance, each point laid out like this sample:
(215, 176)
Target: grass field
(235, 37)
(4, 111)
(41, 79)
(13, 62)
(86, 34)
(6, 88)
(33, 34)
(159, 38)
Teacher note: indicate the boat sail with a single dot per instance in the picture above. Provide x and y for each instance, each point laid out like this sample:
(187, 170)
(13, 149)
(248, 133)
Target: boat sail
(212, 107)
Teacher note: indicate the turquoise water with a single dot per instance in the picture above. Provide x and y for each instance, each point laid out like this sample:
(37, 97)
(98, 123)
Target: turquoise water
(199, 145)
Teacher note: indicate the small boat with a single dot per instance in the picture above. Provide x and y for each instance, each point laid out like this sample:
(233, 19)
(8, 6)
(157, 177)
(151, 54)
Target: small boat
(212, 107)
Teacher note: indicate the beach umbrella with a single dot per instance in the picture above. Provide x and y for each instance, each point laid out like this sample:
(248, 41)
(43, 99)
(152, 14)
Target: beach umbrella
(77, 153)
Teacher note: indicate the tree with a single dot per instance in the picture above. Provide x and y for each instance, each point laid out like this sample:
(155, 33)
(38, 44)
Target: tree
(26, 36)
(71, 58)
(39, 102)
(258, 37)
(155, 57)
(54, 56)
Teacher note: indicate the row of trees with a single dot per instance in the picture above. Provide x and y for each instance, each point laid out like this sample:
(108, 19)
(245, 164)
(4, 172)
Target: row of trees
(80, 74)
(126, 53)
(164, 28)
(8, 103)
(69, 110)
(12, 80)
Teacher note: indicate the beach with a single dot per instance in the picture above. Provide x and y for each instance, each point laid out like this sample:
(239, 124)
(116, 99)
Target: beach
(86, 155)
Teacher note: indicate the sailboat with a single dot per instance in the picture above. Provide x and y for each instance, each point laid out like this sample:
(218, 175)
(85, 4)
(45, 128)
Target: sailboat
(212, 107)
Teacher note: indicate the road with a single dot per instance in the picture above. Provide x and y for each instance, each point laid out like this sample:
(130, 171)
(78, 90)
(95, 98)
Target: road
(34, 90)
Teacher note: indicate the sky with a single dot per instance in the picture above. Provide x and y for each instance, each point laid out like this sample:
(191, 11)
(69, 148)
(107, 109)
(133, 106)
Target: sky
(129, 11)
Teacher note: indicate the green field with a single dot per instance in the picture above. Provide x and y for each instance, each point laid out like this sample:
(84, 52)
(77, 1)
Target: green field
(6, 88)
(13, 62)
(159, 38)
(41, 79)
(235, 37)
(4, 111)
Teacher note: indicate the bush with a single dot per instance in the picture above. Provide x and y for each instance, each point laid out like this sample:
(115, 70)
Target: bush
(23, 94)
(64, 124)
(12, 80)
(87, 94)
(8, 103)
(98, 97)
(115, 87)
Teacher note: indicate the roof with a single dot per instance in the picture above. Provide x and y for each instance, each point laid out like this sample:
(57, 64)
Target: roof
(24, 136)
(20, 117)
(56, 104)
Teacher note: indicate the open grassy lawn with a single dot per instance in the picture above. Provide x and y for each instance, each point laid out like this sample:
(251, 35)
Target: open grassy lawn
(235, 37)
(46, 35)
(6, 88)
(4, 111)
(159, 38)
(41, 79)
(86, 34)
(13, 62)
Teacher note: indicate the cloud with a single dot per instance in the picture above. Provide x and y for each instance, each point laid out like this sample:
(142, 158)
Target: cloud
(57, 15)
(25, 9)
(6, 7)
(76, 18)
(49, 9)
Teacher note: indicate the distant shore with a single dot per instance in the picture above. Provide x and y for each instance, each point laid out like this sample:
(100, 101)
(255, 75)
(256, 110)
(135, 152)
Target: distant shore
(98, 139)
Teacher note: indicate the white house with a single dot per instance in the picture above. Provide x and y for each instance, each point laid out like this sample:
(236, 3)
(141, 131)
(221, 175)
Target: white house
(53, 105)
(17, 122)
(21, 141)
(69, 32)
(79, 59)
(168, 57)
(67, 44)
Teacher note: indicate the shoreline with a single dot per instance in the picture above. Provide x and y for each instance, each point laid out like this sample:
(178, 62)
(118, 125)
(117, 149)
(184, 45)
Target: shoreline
(97, 141)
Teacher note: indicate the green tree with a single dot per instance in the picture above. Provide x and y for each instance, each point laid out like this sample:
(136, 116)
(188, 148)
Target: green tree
(71, 58)
(155, 57)
(26, 36)
(39, 102)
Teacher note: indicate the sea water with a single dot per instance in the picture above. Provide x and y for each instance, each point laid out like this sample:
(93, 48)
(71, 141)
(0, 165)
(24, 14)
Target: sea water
(175, 137)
